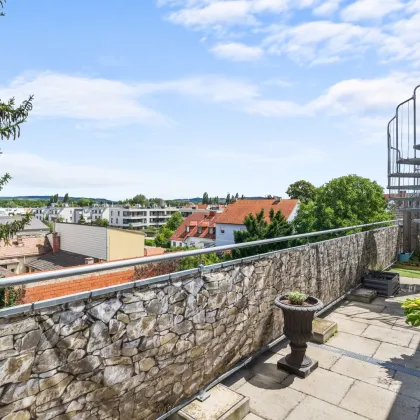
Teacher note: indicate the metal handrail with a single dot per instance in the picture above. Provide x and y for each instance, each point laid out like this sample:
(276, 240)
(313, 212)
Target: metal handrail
(112, 265)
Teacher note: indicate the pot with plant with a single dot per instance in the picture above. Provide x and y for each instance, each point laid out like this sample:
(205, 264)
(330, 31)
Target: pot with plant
(298, 312)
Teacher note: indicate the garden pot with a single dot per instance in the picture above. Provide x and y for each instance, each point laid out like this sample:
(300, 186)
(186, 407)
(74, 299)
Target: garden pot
(298, 329)
(386, 283)
(405, 256)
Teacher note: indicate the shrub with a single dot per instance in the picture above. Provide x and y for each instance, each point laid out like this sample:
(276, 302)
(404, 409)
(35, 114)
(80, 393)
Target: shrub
(297, 298)
(412, 311)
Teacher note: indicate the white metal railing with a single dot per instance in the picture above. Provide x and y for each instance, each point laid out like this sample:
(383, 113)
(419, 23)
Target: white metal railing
(86, 269)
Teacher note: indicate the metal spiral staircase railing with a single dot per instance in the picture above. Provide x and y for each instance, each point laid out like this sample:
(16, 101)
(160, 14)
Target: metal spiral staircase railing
(404, 151)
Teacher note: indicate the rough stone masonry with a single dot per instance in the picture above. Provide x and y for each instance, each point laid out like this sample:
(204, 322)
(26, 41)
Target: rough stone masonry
(135, 355)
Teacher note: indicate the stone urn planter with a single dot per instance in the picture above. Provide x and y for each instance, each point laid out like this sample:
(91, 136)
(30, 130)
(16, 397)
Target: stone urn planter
(298, 329)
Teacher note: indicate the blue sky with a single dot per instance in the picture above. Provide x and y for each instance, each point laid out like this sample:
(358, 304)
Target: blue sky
(172, 98)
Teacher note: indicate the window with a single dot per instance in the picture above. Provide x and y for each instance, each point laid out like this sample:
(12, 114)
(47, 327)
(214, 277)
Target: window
(222, 230)
(200, 230)
(112, 213)
(112, 220)
(118, 213)
(116, 220)
(188, 228)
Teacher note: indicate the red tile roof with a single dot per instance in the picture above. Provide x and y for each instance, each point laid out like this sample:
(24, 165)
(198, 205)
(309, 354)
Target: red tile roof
(203, 220)
(235, 213)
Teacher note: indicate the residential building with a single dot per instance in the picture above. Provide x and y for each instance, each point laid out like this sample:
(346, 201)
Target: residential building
(197, 230)
(194, 208)
(22, 250)
(52, 213)
(232, 219)
(101, 243)
(25, 247)
(139, 217)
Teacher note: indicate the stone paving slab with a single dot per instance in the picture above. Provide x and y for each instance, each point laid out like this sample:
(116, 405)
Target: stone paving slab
(399, 355)
(313, 409)
(380, 404)
(252, 416)
(270, 400)
(266, 365)
(357, 308)
(364, 371)
(350, 342)
(318, 384)
(402, 338)
(406, 384)
(345, 324)
(325, 358)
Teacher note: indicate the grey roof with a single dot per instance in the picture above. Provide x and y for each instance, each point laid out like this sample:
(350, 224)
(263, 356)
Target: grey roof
(34, 225)
(5, 273)
(60, 259)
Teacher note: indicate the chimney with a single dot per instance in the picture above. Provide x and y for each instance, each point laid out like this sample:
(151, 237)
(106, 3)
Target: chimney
(55, 242)
(89, 260)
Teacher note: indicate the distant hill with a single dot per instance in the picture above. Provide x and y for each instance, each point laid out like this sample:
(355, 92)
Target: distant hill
(47, 197)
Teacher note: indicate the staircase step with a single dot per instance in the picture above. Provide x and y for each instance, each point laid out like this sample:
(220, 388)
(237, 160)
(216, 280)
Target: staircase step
(403, 187)
(409, 161)
(222, 404)
(405, 175)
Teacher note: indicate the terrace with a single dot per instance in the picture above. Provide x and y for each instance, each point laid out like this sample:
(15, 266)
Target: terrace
(369, 370)
(146, 348)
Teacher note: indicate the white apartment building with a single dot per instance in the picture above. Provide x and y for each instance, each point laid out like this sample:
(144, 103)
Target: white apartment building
(139, 217)
(52, 213)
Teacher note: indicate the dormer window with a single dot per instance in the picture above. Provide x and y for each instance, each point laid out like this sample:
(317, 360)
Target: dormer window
(200, 230)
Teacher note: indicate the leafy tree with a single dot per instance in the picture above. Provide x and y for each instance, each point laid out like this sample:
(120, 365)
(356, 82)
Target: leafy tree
(257, 228)
(140, 199)
(100, 222)
(11, 203)
(66, 198)
(228, 199)
(301, 190)
(59, 219)
(237, 196)
(242, 197)
(82, 220)
(130, 226)
(149, 242)
(205, 199)
(345, 201)
(162, 237)
(55, 198)
(175, 221)
(11, 118)
(84, 202)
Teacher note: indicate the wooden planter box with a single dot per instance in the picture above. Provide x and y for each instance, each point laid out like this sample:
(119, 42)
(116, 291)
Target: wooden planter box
(385, 284)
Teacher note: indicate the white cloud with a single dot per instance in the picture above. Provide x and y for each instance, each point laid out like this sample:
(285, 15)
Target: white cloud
(82, 98)
(327, 8)
(237, 52)
(370, 9)
(33, 171)
(356, 96)
(321, 41)
(226, 12)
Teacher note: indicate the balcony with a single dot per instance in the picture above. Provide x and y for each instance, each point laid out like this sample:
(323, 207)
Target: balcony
(145, 347)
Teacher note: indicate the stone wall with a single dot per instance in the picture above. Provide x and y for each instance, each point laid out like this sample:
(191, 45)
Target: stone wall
(137, 353)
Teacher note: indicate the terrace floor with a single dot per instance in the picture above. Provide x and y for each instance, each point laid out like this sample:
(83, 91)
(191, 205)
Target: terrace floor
(369, 370)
